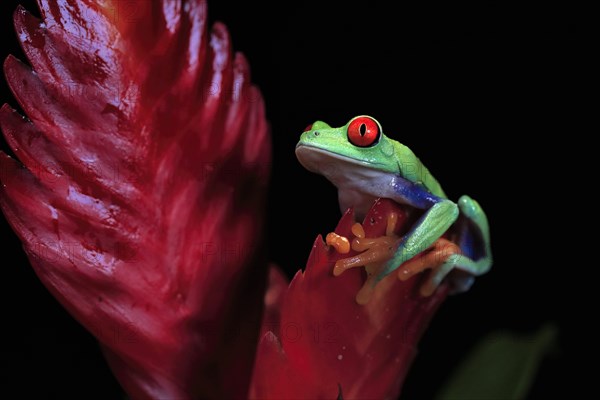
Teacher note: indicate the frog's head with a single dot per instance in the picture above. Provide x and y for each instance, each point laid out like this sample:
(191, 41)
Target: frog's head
(357, 147)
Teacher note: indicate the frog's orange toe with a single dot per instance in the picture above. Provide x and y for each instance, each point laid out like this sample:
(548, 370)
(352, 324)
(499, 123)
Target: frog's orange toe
(340, 243)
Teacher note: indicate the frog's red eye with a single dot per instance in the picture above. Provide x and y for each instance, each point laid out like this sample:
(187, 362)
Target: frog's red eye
(363, 132)
(308, 128)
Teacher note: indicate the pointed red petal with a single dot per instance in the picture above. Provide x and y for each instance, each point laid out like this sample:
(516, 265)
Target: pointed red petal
(325, 341)
(140, 205)
(274, 296)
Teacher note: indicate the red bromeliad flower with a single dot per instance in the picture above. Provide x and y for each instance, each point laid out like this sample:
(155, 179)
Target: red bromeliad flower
(319, 343)
(140, 205)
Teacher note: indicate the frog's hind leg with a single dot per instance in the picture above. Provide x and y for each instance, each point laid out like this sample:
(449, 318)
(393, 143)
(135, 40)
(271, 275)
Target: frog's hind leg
(469, 257)
(473, 238)
(474, 235)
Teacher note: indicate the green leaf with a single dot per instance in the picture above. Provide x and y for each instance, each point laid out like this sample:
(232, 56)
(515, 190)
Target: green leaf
(501, 366)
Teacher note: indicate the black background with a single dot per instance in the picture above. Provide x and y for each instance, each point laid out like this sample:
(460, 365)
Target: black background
(474, 90)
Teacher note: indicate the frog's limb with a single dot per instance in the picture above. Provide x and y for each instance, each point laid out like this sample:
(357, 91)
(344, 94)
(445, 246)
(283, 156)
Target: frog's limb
(474, 240)
(429, 228)
(433, 259)
(374, 251)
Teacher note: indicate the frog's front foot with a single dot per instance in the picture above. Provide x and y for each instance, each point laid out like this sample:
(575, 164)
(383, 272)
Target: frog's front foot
(374, 251)
(438, 258)
(376, 254)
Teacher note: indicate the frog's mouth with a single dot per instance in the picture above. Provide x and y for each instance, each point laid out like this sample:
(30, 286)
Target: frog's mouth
(333, 165)
(359, 183)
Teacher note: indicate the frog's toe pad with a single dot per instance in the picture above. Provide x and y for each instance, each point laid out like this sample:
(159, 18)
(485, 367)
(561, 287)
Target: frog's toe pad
(469, 207)
(434, 259)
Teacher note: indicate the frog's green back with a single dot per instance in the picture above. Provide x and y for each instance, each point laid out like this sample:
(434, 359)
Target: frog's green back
(412, 168)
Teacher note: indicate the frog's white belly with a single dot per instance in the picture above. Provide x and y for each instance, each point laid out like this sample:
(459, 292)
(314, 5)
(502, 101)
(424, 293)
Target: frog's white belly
(358, 183)
(360, 192)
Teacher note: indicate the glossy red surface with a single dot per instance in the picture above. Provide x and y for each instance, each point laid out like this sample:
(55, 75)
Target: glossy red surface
(141, 203)
(316, 339)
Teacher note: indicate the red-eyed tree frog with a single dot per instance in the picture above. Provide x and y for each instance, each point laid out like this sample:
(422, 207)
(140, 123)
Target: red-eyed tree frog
(364, 165)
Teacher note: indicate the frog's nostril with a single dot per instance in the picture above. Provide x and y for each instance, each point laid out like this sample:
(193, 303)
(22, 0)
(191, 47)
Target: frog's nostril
(316, 133)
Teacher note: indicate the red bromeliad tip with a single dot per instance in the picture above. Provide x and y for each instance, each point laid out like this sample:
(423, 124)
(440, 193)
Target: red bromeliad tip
(140, 206)
(319, 342)
(139, 199)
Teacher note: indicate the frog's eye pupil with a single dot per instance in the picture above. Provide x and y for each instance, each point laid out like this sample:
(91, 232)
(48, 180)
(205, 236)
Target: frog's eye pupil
(363, 132)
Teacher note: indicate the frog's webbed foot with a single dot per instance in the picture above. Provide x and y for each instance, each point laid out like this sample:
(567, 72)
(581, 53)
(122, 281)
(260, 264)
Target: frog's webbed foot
(470, 258)
(376, 252)
(434, 258)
